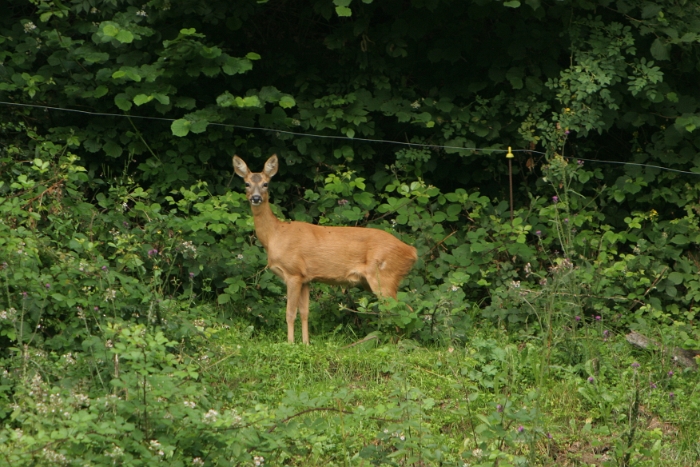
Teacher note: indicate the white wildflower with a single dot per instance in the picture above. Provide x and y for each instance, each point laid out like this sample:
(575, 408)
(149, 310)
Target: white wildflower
(210, 417)
(54, 457)
(69, 358)
(29, 27)
(110, 294)
(115, 452)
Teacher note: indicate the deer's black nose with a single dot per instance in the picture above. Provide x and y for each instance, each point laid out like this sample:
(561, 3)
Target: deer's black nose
(256, 199)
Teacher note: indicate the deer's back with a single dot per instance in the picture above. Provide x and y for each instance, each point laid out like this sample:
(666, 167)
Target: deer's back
(336, 255)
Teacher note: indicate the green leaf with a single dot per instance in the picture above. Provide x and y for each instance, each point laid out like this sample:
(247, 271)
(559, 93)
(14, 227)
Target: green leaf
(252, 56)
(512, 4)
(124, 36)
(122, 101)
(180, 127)
(659, 50)
(249, 101)
(343, 11)
(141, 99)
(226, 100)
(112, 149)
(199, 126)
(223, 299)
(287, 102)
(235, 65)
(676, 277)
(162, 98)
(110, 30)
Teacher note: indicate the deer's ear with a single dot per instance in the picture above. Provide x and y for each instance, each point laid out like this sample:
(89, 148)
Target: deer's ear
(271, 166)
(240, 167)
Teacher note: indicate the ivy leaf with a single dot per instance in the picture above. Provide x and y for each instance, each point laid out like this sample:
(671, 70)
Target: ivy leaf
(512, 4)
(180, 127)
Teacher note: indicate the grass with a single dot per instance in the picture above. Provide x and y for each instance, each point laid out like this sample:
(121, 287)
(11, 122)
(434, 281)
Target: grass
(233, 395)
(494, 401)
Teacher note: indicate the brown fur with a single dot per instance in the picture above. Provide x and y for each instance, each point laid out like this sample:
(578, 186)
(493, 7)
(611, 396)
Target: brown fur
(299, 252)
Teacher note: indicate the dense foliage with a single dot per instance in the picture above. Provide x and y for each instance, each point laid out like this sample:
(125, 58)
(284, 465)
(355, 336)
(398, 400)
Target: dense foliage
(124, 237)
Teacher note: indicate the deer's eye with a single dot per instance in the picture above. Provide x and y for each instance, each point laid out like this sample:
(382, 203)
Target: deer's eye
(264, 185)
(247, 185)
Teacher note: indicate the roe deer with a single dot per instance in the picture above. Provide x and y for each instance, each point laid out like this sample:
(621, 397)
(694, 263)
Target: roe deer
(299, 252)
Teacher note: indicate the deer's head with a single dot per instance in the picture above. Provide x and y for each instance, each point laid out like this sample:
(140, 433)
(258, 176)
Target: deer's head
(256, 182)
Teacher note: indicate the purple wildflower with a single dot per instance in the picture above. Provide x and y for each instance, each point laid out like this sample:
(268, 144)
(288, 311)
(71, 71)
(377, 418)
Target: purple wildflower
(499, 408)
(104, 268)
(635, 365)
(598, 318)
(521, 429)
(152, 252)
(591, 379)
(24, 294)
(555, 199)
(671, 395)
(579, 162)
(538, 233)
(191, 275)
(652, 385)
(670, 373)
(577, 318)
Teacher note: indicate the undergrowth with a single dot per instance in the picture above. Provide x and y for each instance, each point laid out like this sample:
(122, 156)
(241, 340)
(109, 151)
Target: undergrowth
(137, 329)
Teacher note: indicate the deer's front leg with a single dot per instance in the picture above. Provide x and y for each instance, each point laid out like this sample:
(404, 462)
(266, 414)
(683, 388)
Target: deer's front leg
(304, 313)
(294, 286)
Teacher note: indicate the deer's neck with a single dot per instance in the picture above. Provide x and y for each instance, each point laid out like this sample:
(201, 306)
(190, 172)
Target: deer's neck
(265, 223)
